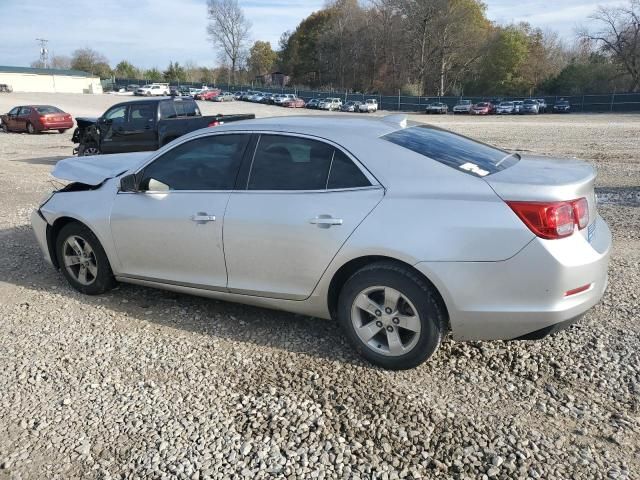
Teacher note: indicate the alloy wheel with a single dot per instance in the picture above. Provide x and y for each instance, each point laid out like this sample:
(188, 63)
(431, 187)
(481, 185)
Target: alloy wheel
(386, 321)
(80, 260)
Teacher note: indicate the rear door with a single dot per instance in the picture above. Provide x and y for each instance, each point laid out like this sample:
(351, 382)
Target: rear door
(298, 204)
(142, 127)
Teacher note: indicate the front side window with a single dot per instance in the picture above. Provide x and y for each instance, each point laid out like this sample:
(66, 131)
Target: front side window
(25, 111)
(453, 150)
(117, 114)
(207, 163)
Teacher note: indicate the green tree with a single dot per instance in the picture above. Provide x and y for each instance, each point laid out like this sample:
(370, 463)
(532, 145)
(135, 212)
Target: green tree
(153, 75)
(261, 58)
(125, 69)
(175, 73)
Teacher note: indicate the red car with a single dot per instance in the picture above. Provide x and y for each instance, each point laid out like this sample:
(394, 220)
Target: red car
(36, 118)
(207, 95)
(294, 103)
(482, 108)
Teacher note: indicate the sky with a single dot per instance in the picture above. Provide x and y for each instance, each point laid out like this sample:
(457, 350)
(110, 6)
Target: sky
(150, 33)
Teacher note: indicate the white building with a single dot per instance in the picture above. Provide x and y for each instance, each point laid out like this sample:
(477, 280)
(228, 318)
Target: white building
(50, 80)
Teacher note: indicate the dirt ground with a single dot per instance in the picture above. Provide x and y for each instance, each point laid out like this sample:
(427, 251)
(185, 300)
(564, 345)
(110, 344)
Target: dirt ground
(144, 383)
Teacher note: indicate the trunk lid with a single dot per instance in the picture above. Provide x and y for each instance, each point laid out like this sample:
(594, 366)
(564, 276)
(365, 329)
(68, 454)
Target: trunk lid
(94, 170)
(546, 179)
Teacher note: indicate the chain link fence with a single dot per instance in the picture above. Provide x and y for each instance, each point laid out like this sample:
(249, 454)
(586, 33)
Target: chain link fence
(610, 102)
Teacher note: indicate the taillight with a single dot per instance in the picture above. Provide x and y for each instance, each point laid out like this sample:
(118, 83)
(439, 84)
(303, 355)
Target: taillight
(581, 212)
(215, 123)
(552, 220)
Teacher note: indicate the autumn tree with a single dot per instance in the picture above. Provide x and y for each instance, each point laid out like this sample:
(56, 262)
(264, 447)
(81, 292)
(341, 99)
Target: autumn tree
(90, 61)
(618, 36)
(228, 29)
(261, 58)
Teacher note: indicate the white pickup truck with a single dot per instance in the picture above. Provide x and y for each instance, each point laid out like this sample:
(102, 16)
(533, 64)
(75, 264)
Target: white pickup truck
(154, 90)
(369, 105)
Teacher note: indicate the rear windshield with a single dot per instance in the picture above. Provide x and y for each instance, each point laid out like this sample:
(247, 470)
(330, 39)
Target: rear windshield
(456, 151)
(45, 109)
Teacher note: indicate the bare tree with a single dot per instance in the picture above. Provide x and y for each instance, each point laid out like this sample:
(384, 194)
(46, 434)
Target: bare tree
(619, 36)
(228, 29)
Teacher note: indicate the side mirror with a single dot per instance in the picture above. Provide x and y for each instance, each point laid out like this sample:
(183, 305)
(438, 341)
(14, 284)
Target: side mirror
(104, 121)
(128, 183)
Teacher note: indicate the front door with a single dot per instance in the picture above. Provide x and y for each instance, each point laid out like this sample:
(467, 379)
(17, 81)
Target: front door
(303, 200)
(11, 118)
(111, 126)
(22, 119)
(171, 230)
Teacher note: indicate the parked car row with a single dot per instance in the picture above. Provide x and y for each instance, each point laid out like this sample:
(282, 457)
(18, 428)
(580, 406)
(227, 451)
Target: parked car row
(502, 107)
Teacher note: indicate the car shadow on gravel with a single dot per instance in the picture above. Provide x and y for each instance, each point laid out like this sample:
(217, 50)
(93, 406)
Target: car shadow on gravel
(42, 160)
(22, 265)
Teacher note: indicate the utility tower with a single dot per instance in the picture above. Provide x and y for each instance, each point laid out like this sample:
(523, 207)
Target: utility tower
(44, 52)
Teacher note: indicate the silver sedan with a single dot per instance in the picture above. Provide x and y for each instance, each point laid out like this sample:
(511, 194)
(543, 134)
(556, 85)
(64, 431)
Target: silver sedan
(403, 233)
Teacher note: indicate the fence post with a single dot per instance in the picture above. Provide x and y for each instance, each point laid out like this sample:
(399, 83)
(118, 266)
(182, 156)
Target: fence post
(582, 105)
(398, 99)
(613, 96)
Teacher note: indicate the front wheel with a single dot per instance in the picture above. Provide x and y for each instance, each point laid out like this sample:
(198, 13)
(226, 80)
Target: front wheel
(62, 130)
(83, 261)
(391, 315)
(84, 150)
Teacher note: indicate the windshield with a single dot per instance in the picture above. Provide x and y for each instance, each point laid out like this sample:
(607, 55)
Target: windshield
(482, 104)
(563, 102)
(453, 150)
(530, 102)
(506, 104)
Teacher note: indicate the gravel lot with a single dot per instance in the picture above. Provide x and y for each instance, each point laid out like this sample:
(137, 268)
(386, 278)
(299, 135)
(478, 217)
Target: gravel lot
(143, 383)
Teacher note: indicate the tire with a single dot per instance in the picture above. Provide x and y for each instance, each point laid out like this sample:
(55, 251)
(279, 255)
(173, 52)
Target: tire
(4, 127)
(62, 130)
(31, 129)
(72, 239)
(418, 299)
(88, 149)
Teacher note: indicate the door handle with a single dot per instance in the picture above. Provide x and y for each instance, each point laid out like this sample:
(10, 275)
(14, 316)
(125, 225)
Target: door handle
(202, 217)
(325, 221)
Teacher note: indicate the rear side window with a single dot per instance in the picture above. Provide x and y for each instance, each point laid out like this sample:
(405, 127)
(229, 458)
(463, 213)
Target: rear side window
(187, 109)
(142, 112)
(290, 163)
(454, 150)
(167, 110)
(345, 174)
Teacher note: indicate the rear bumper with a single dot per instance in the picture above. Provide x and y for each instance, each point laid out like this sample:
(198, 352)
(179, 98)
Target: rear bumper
(525, 294)
(57, 125)
(39, 225)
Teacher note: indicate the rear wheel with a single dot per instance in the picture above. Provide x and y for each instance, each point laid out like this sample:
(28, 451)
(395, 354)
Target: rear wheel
(83, 261)
(30, 128)
(391, 315)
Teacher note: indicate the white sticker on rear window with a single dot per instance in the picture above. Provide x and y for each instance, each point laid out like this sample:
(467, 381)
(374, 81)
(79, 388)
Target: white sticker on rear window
(473, 168)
